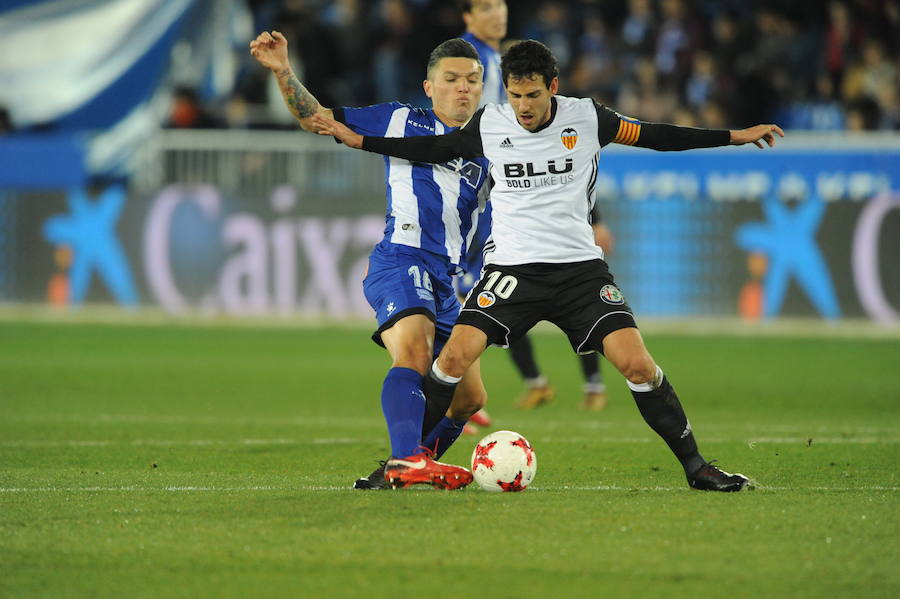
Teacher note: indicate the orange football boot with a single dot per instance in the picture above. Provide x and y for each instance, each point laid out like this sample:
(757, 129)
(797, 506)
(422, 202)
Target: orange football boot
(422, 469)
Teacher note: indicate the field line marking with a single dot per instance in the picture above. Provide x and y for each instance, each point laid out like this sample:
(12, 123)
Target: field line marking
(39, 443)
(716, 326)
(211, 420)
(133, 489)
(822, 440)
(192, 489)
(177, 442)
(634, 429)
(759, 488)
(804, 440)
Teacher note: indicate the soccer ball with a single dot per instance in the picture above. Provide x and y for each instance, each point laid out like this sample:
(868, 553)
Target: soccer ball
(504, 461)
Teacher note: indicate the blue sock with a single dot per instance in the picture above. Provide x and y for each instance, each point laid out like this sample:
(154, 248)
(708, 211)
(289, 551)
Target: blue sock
(403, 404)
(443, 435)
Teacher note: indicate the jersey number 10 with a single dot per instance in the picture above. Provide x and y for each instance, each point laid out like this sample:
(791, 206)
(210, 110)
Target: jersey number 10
(505, 285)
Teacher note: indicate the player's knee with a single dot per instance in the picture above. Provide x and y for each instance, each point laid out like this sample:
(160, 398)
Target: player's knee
(453, 364)
(465, 346)
(414, 355)
(454, 360)
(639, 370)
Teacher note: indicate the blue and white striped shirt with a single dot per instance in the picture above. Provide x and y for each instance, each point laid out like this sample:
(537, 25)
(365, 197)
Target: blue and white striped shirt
(433, 207)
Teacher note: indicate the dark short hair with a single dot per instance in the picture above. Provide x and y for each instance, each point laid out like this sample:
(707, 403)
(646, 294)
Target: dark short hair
(464, 6)
(526, 59)
(455, 48)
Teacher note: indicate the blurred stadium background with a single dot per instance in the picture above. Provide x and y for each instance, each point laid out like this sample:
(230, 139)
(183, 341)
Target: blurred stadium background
(150, 173)
(147, 161)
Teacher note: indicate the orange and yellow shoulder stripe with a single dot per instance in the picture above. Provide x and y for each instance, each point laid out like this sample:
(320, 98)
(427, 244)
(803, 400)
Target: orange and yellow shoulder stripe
(629, 131)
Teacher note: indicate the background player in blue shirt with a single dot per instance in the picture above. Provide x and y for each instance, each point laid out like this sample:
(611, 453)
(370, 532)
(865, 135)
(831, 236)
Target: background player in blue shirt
(486, 26)
(431, 215)
(485, 29)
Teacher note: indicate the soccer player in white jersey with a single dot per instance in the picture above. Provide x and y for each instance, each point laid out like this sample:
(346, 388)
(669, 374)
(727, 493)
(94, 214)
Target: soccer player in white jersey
(542, 263)
(486, 27)
(431, 216)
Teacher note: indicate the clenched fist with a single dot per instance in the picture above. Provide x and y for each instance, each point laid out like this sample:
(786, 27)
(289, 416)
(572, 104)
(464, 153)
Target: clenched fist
(270, 49)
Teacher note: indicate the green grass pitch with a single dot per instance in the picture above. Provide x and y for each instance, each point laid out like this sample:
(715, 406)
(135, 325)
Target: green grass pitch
(190, 461)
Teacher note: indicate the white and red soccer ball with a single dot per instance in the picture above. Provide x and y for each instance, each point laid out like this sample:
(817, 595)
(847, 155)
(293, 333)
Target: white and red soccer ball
(504, 461)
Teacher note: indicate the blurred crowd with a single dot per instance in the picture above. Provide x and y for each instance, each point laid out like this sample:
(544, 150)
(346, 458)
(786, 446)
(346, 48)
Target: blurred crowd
(804, 64)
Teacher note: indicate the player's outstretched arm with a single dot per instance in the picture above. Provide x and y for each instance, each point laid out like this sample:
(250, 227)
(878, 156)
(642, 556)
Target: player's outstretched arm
(435, 149)
(756, 135)
(326, 125)
(665, 137)
(270, 49)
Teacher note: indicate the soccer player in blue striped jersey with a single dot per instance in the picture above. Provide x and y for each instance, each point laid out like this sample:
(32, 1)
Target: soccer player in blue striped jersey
(485, 29)
(432, 211)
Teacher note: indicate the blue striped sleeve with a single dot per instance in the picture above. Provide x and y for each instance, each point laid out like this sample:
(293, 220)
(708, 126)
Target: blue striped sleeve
(368, 120)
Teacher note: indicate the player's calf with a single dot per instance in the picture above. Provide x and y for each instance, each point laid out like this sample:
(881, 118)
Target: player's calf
(661, 409)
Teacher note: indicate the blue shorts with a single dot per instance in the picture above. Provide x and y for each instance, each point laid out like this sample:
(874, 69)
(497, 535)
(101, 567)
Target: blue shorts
(403, 281)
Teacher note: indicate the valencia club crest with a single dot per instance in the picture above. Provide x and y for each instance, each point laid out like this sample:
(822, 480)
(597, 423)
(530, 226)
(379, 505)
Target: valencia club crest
(569, 137)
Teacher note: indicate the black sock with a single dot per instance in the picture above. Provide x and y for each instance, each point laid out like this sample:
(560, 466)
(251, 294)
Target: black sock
(522, 356)
(663, 412)
(438, 397)
(590, 366)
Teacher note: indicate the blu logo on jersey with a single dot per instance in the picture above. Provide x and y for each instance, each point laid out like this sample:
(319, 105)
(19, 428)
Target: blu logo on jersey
(516, 169)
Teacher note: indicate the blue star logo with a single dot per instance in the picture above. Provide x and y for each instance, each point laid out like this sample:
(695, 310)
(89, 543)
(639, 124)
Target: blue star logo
(89, 229)
(788, 239)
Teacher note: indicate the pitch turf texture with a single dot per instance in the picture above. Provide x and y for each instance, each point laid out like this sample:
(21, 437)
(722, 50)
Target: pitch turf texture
(184, 461)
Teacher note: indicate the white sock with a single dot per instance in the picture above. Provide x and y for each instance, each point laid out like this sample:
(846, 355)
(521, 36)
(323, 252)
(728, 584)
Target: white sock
(443, 377)
(646, 387)
(594, 388)
(538, 383)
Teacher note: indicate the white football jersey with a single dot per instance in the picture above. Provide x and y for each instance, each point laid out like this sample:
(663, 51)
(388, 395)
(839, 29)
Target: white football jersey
(543, 180)
(543, 184)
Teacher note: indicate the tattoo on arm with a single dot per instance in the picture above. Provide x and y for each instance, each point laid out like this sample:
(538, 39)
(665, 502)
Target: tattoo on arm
(300, 102)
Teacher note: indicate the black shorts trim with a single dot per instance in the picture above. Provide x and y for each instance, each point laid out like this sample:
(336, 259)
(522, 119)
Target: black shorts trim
(485, 323)
(622, 319)
(376, 336)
